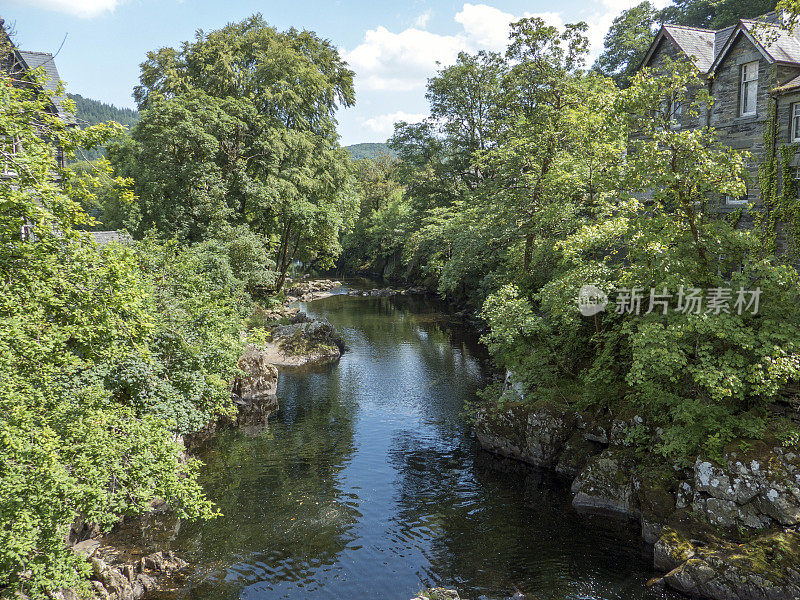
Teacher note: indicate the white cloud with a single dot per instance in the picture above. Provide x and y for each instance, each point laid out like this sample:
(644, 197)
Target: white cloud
(403, 61)
(485, 27)
(384, 124)
(80, 8)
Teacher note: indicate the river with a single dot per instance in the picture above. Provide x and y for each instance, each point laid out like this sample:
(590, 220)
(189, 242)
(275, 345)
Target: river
(368, 484)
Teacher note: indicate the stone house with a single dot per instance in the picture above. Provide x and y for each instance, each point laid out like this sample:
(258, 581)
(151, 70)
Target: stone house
(16, 64)
(752, 72)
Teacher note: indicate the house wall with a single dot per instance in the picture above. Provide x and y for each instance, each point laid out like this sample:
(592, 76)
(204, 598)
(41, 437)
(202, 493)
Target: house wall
(742, 132)
(668, 51)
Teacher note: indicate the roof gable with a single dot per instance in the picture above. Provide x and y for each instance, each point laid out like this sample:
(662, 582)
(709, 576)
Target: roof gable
(696, 44)
(773, 42)
(34, 60)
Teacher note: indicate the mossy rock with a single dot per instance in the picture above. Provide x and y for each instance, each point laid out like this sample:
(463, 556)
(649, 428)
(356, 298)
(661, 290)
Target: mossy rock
(765, 567)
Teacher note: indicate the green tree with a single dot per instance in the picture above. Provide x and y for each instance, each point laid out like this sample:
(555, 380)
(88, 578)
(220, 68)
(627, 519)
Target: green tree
(626, 42)
(70, 446)
(714, 14)
(705, 378)
(239, 128)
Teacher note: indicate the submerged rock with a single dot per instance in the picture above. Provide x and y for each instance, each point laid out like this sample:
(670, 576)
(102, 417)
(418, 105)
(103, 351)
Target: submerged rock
(438, 593)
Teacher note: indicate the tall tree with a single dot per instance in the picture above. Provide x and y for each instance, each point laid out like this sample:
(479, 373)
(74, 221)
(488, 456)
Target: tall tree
(239, 127)
(714, 14)
(626, 43)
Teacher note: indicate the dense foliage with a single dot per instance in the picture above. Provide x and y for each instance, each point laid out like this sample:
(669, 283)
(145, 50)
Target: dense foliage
(533, 178)
(106, 354)
(238, 129)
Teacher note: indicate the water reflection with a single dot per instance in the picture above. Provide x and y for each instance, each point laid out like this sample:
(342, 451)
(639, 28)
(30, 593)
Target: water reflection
(367, 483)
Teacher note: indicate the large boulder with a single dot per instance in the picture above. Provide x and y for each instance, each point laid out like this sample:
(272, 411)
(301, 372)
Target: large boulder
(606, 484)
(752, 490)
(304, 341)
(260, 377)
(535, 435)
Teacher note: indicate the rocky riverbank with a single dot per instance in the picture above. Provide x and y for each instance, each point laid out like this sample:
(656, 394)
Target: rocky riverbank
(306, 290)
(294, 339)
(723, 530)
(388, 292)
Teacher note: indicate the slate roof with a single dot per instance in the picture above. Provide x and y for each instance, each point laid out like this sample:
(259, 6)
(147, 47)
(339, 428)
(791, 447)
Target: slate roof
(784, 48)
(789, 86)
(697, 44)
(34, 60)
(721, 38)
(706, 48)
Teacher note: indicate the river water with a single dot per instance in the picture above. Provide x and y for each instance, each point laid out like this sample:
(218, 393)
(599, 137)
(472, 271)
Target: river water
(367, 484)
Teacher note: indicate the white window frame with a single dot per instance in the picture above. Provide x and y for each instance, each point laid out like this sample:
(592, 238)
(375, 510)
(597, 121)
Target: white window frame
(795, 122)
(672, 110)
(11, 147)
(748, 79)
(675, 113)
(730, 201)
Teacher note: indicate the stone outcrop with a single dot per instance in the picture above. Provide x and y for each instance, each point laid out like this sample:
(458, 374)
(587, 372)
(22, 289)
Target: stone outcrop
(605, 484)
(763, 568)
(306, 290)
(116, 578)
(752, 491)
(536, 437)
(260, 377)
(743, 513)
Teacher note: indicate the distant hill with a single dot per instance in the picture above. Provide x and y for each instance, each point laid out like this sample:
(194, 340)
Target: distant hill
(92, 112)
(369, 150)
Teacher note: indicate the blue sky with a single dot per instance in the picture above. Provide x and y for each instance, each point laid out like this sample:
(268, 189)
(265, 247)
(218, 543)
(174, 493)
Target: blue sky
(393, 47)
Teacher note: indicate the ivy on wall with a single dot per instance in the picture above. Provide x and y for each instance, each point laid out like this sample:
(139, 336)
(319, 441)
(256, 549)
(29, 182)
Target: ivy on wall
(781, 207)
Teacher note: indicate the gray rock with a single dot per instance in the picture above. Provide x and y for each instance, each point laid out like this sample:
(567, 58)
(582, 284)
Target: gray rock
(606, 485)
(749, 492)
(535, 436)
(100, 590)
(576, 453)
(260, 378)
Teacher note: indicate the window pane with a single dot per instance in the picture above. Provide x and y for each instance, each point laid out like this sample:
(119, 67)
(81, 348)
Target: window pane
(795, 120)
(752, 96)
